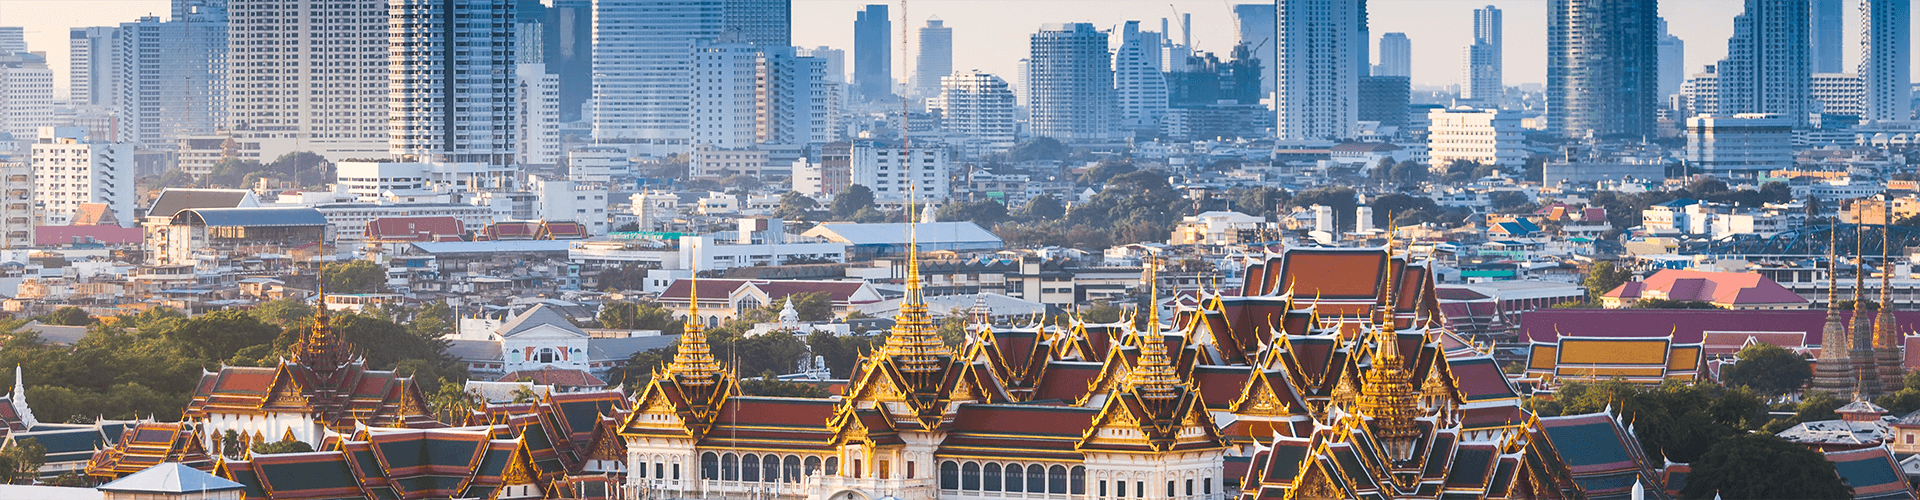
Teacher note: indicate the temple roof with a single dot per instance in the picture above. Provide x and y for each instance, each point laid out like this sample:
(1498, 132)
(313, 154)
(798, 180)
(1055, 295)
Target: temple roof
(171, 477)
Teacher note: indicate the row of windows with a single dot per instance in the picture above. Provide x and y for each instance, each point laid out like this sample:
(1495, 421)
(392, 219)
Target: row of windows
(1013, 478)
(758, 468)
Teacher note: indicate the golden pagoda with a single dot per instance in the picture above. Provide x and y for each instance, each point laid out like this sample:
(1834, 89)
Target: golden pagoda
(1387, 396)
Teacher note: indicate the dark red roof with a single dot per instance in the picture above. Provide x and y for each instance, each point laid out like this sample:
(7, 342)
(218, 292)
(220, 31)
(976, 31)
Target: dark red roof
(1689, 326)
(559, 377)
(414, 228)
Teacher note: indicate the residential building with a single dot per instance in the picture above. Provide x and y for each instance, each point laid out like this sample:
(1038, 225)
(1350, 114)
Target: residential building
(1483, 81)
(1743, 143)
(1673, 62)
(1324, 55)
(978, 108)
(1886, 43)
(69, 169)
(1766, 67)
(727, 94)
(339, 108)
(597, 164)
(1488, 137)
(172, 80)
(830, 176)
(1396, 55)
(759, 241)
(1203, 79)
(873, 54)
(1256, 29)
(561, 200)
(1839, 93)
(436, 115)
(566, 47)
(767, 23)
(1701, 94)
(1140, 87)
(536, 115)
(93, 66)
(17, 214)
(1825, 31)
(935, 60)
(26, 95)
(642, 72)
(710, 162)
(1602, 67)
(1070, 84)
(1384, 99)
(898, 175)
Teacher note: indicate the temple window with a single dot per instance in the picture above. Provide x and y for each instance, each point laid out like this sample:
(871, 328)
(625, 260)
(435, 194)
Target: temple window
(1057, 480)
(1077, 480)
(749, 467)
(949, 475)
(991, 474)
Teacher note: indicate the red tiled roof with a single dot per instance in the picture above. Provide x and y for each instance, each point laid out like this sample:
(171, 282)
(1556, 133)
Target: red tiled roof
(559, 377)
(710, 289)
(1689, 326)
(1718, 288)
(414, 228)
(1457, 293)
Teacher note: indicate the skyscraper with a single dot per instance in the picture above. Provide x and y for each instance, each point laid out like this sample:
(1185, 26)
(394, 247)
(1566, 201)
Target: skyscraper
(1255, 29)
(1318, 86)
(1396, 56)
(936, 58)
(642, 71)
(1673, 62)
(536, 115)
(338, 106)
(172, 79)
(1824, 34)
(767, 23)
(1766, 66)
(726, 94)
(1885, 38)
(93, 65)
(1485, 80)
(566, 48)
(1070, 83)
(873, 54)
(1602, 67)
(452, 83)
(1140, 88)
(978, 107)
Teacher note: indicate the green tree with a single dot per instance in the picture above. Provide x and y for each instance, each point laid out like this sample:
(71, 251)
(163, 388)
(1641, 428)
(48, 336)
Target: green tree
(68, 316)
(637, 316)
(813, 307)
(768, 385)
(26, 456)
(1761, 466)
(795, 206)
(357, 276)
(986, 213)
(1341, 198)
(1767, 368)
(849, 203)
(1038, 148)
(1505, 200)
(283, 446)
(1818, 405)
(1262, 201)
(452, 404)
(1603, 277)
(283, 312)
(1042, 208)
(219, 334)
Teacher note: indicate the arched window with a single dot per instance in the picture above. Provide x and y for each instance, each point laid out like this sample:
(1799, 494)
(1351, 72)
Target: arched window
(812, 465)
(729, 467)
(546, 355)
(770, 469)
(790, 469)
(709, 466)
(833, 465)
(1057, 480)
(1077, 479)
(991, 473)
(1036, 479)
(970, 477)
(750, 467)
(949, 475)
(1015, 481)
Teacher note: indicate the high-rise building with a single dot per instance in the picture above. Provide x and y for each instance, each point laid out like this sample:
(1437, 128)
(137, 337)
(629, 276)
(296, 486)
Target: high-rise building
(1766, 66)
(93, 66)
(1396, 56)
(1886, 36)
(452, 83)
(642, 70)
(70, 169)
(1070, 84)
(935, 60)
(1384, 99)
(979, 108)
(312, 72)
(26, 95)
(896, 174)
(536, 114)
(767, 23)
(1255, 29)
(1485, 80)
(529, 28)
(726, 94)
(1173, 56)
(1838, 93)
(1824, 33)
(1673, 62)
(566, 47)
(1317, 45)
(873, 54)
(172, 80)
(1140, 87)
(1602, 67)
(836, 60)
(1701, 93)
(13, 39)
(1743, 142)
(1204, 79)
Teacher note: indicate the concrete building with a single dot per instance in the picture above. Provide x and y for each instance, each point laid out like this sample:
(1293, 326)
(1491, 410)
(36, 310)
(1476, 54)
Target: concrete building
(566, 47)
(1396, 55)
(1673, 62)
(1824, 35)
(172, 80)
(712, 162)
(935, 59)
(69, 170)
(436, 115)
(1323, 53)
(565, 200)
(1739, 144)
(344, 41)
(760, 241)
(1384, 99)
(1070, 84)
(894, 175)
(1886, 38)
(1484, 136)
(1140, 87)
(1766, 66)
(1838, 93)
(873, 54)
(93, 62)
(26, 95)
(1701, 94)
(642, 72)
(727, 94)
(1255, 21)
(17, 214)
(1484, 80)
(536, 115)
(767, 23)
(978, 108)
(1602, 67)
(597, 164)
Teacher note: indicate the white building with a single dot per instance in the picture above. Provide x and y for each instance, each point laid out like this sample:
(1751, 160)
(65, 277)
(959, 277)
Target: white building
(1886, 36)
(1140, 88)
(26, 95)
(92, 66)
(655, 209)
(1744, 143)
(978, 108)
(1070, 84)
(457, 106)
(68, 170)
(1839, 93)
(1396, 53)
(643, 77)
(894, 175)
(563, 200)
(1767, 61)
(597, 164)
(1484, 136)
(1701, 93)
(348, 221)
(344, 40)
(760, 241)
(368, 180)
(537, 96)
(727, 79)
(1323, 45)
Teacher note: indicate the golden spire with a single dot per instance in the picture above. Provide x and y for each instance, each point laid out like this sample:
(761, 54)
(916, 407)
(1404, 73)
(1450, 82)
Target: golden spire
(914, 343)
(1883, 332)
(693, 364)
(1154, 378)
(1386, 394)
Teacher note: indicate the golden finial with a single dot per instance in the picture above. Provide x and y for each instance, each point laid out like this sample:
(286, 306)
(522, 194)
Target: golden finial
(693, 363)
(1386, 393)
(914, 343)
(1154, 378)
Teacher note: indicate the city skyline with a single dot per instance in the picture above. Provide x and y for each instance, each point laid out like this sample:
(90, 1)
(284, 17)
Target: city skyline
(986, 40)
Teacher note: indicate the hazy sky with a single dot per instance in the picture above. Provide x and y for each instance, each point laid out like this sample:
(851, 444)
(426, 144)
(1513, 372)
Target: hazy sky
(991, 35)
